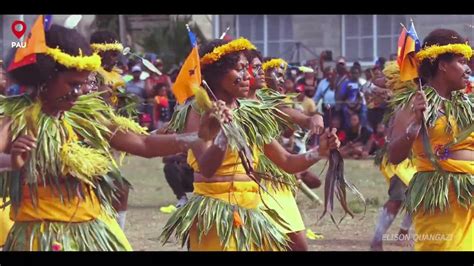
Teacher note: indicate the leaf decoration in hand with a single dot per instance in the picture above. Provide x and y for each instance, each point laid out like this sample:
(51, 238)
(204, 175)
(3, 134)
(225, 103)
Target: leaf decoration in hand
(202, 99)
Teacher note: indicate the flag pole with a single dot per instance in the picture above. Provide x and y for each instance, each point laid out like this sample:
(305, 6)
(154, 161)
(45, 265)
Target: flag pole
(209, 90)
(419, 78)
(403, 26)
(203, 81)
(224, 33)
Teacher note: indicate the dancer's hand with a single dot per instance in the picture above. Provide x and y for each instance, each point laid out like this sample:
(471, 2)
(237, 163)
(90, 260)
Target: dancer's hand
(328, 141)
(162, 130)
(316, 124)
(418, 105)
(211, 120)
(21, 149)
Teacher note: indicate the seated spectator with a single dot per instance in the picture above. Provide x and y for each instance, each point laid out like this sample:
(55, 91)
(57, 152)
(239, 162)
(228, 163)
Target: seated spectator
(145, 120)
(136, 86)
(161, 108)
(376, 141)
(357, 138)
(341, 134)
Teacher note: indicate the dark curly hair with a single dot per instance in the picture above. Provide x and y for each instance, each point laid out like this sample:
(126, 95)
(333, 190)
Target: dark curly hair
(103, 36)
(428, 68)
(68, 40)
(251, 54)
(212, 73)
(268, 58)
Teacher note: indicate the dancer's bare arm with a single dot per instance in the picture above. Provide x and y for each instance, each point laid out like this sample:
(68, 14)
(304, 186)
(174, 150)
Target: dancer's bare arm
(406, 128)
(294, 163)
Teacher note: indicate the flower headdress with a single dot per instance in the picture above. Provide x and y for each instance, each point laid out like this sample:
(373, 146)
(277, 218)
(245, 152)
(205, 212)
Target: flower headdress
(217, 53)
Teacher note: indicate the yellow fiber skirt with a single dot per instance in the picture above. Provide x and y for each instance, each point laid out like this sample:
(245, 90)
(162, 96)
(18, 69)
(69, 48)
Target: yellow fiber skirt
(244, 194)
(50, 208)
(452, 230)
(115, 228)
(283, 202)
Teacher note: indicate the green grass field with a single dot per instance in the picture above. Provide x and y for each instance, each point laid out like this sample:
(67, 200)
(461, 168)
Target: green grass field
(145, 221)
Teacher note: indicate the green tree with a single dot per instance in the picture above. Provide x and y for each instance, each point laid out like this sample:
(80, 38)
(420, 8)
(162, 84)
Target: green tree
(171, 43)
(108, 22)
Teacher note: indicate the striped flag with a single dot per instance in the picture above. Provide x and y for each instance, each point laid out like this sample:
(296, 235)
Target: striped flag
(408, 46)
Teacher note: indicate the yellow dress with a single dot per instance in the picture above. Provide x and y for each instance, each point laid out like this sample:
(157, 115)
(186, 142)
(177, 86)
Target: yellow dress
(5, 222)
(283, 201)
(404, 170)
(244, 194)
(452, 229)
(50, 209)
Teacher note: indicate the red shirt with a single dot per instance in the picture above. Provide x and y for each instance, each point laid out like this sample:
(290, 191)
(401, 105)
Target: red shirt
(379, 141)
(341, 135)
(161, 102)
(154, 80)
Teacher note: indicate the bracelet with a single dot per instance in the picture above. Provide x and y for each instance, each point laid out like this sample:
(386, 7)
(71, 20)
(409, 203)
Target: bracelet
(221, 141)
(185, 140)
(412, 130)
(312, 154)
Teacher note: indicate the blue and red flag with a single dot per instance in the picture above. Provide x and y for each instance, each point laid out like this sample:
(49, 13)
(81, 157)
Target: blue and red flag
(408, 46)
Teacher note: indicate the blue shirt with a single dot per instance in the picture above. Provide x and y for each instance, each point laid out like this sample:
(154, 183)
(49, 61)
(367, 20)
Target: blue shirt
(138, 89)
(351, 90)
(325, 92)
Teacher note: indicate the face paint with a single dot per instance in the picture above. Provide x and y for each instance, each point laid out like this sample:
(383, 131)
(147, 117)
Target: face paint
(241, 76)
(253, 76)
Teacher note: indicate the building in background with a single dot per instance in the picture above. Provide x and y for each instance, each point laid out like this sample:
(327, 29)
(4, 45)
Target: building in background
(361, 38)
(295, 38)
(131, 28)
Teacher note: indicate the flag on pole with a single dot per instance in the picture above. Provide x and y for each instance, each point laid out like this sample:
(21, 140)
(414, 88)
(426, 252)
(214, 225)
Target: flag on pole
(408, 46)
(35, 44)
(48, 21)
(190, 74)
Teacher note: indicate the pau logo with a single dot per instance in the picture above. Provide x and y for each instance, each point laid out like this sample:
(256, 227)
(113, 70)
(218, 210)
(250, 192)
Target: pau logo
(18, 29)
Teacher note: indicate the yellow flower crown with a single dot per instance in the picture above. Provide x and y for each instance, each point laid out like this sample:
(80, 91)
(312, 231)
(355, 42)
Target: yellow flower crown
(102, 47)
(432, 52)
(277, 62)
(236, 45)
(80, 62)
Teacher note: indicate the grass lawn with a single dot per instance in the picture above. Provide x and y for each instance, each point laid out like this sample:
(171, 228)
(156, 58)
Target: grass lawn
(145, 221)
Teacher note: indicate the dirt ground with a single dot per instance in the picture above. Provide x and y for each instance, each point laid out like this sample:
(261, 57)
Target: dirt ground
(145, 221)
